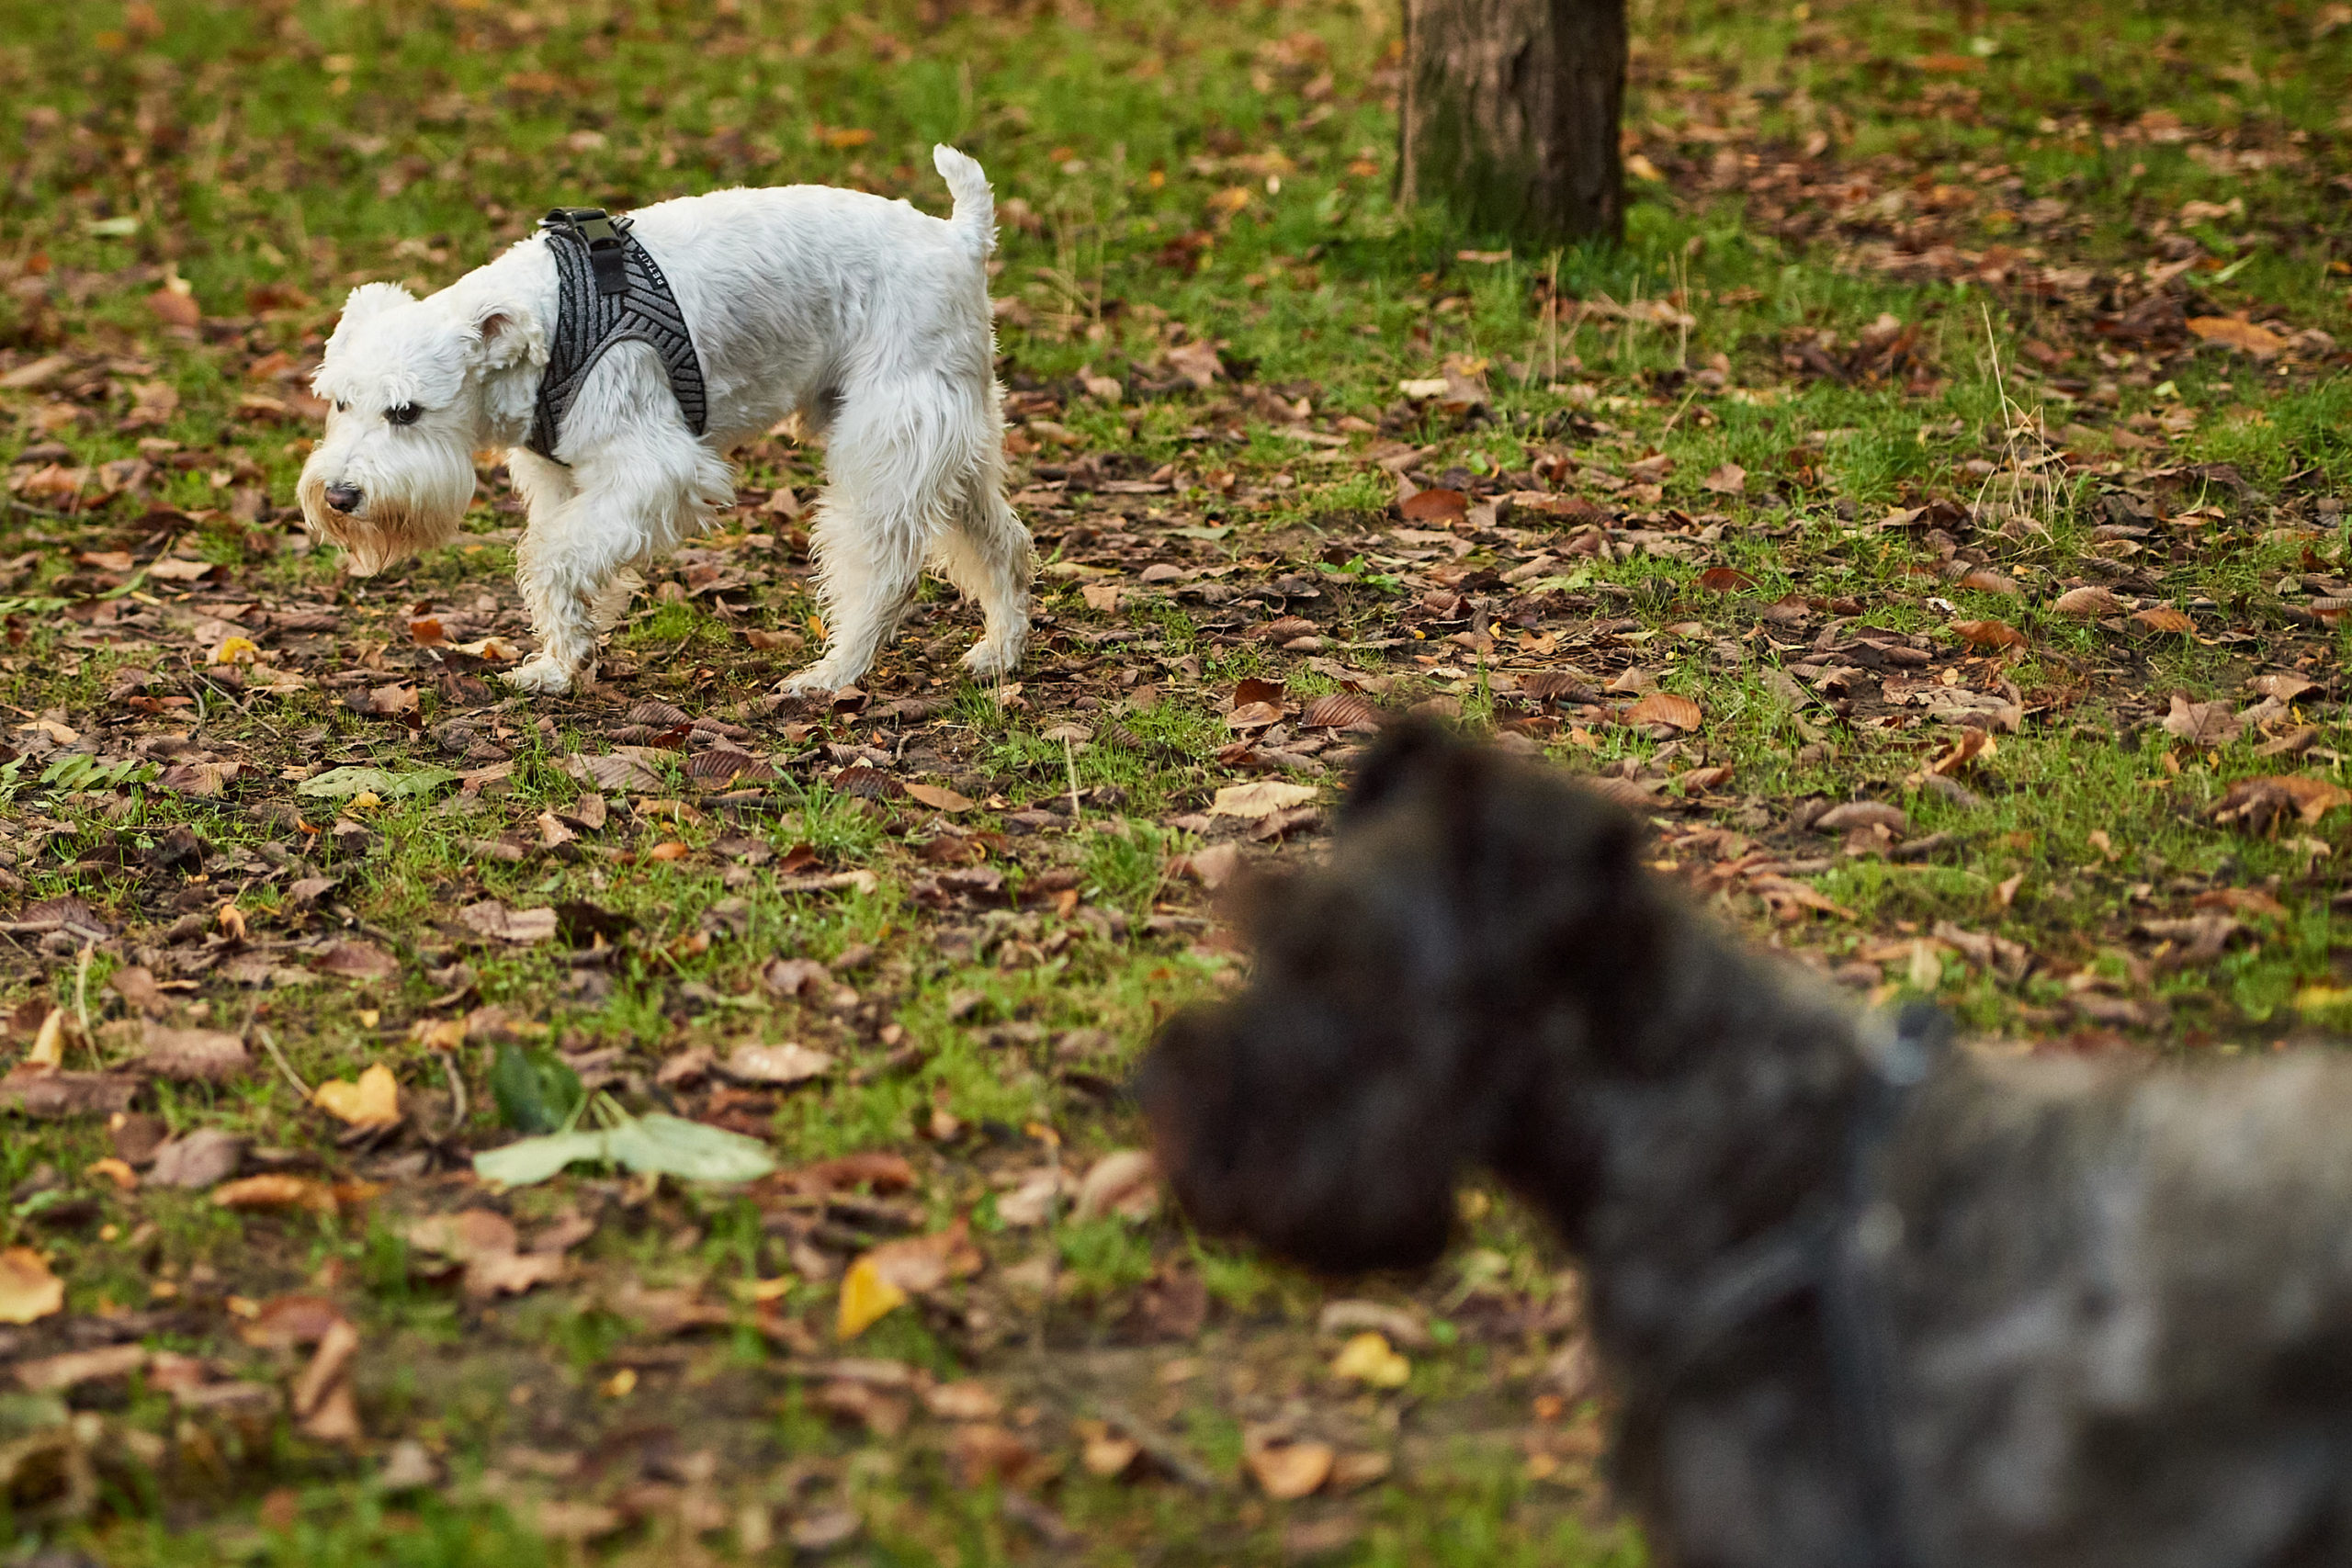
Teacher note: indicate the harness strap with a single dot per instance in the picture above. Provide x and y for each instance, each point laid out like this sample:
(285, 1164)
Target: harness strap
(1834, 1249)
(609, 290)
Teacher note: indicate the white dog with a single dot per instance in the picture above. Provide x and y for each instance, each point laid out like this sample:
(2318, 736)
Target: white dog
(867, 319)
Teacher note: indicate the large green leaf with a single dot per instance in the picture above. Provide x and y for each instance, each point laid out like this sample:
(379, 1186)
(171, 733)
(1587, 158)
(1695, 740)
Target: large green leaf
(535, 1092)
(340, 784)
(692, 1149)
(668, 1144)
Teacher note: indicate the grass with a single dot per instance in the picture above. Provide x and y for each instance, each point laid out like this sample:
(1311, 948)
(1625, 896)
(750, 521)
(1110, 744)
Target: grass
(2040, 204)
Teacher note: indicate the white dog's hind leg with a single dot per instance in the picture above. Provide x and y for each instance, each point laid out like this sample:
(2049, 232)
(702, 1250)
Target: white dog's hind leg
(893, 456)
(987, 555)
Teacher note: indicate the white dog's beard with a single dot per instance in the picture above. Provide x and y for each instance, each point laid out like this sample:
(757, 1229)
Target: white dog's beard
(387, 528)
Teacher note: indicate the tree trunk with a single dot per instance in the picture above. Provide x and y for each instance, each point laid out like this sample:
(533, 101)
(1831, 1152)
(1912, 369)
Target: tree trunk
(1510, 115)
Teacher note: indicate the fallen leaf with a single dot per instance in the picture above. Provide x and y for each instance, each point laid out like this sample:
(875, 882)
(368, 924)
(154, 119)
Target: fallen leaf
(357, 961)
(1725, 579)
(938, 797)
(201, 1159)
(1370, 1360)
(27, 1289)
(176, 307)
(1728, 480)
(670, 1144)
(337, 784)
(2286, 688)
(1197, 363)
(1856, 814)
(1214, 865)
(54, 1374)
(784, 1064)
(2087, 602)
(192, 1056)
(1102, 597)
(373, 1101)
(2261, 803)
(496, 922)
(1106, 1455)
(1667, 708)
(966, 1399)
(2164, 619)
(276, 1190)
(1287, 1471)
(2232, 333)
(1441, 506)
(46, 1094)
(866, 1299)
(1125, 1183)
(235, 650)
(1263, 798)
(2202, 724)
(1993, 634)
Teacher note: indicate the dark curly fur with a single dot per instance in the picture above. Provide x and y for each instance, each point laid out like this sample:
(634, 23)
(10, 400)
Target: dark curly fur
(2117, 1304)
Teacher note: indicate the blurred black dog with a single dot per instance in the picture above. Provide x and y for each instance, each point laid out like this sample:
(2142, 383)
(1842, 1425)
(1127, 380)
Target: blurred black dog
(1867, 1302)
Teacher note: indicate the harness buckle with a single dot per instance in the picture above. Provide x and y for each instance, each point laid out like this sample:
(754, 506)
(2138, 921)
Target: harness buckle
(605, 237)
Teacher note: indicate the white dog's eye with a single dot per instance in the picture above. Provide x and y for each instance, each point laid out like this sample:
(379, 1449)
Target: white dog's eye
(403, 413)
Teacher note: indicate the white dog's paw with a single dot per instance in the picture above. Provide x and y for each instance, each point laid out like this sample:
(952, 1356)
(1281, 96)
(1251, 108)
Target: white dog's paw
(817, 680)
(539, 675)
(992, 661)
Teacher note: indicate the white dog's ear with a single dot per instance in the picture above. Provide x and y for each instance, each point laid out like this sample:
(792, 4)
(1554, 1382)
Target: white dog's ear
(507, 335)
(367, 301)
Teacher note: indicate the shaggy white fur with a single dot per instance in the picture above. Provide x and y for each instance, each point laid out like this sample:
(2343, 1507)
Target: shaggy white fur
(867, 319)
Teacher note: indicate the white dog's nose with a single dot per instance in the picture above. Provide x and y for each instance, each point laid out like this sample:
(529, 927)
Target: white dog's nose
(344, 499)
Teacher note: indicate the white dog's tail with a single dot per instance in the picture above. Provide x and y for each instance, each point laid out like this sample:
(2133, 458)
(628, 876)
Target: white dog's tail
(975, 203)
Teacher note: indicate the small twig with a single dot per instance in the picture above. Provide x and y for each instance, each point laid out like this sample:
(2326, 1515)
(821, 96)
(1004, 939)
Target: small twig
(457, 1111)
(1163, 1450)
(1677, 418)
(41, 511)
(1070, 762)
(269, 1043)
(82, 992)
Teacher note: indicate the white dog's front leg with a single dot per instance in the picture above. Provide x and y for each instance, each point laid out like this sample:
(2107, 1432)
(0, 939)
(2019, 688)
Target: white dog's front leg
(575, 567)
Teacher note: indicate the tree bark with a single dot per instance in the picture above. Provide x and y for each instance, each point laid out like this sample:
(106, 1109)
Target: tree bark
(1510, 115)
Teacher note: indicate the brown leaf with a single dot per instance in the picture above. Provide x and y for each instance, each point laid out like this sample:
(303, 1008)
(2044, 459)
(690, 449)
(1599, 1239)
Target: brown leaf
(2086, 601)
(2164, 619)
(2286, 687)
(202, 1158)
(1214, 865)
(357, 961)
(1341, 710)
(175, 307)
(522, 927)
(54, 1374)
(1987, 580)
(1989, 634)
(780, 1064)
(1197, 363)
(1667, 708)
(2262, 804)
(192, 1056)
(1726, 580)
(1125, 1183)
(276, 1190)
(27, 1289)
(938, 797)
(2232, 333)
(918, 1263)
(1440, 506)
(1856, 814)
(51, 1094)
(289, 1321)
(982, 1453)
(2202, 724)
(1287, 1471)
(1728, 480)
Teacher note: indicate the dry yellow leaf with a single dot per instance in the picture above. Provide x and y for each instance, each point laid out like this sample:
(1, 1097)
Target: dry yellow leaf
(1369, 1359)
(373, 1101)
(27, 1289)
(236, 650)
(866, 1299)
(49, 1045)
(1291, 1471)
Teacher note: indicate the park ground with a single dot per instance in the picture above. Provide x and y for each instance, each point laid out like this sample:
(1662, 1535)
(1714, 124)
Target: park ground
(1930, 519)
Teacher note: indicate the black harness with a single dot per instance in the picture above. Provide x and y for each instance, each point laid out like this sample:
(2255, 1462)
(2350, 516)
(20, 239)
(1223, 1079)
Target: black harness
(609, 290)
(1834, 1250)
